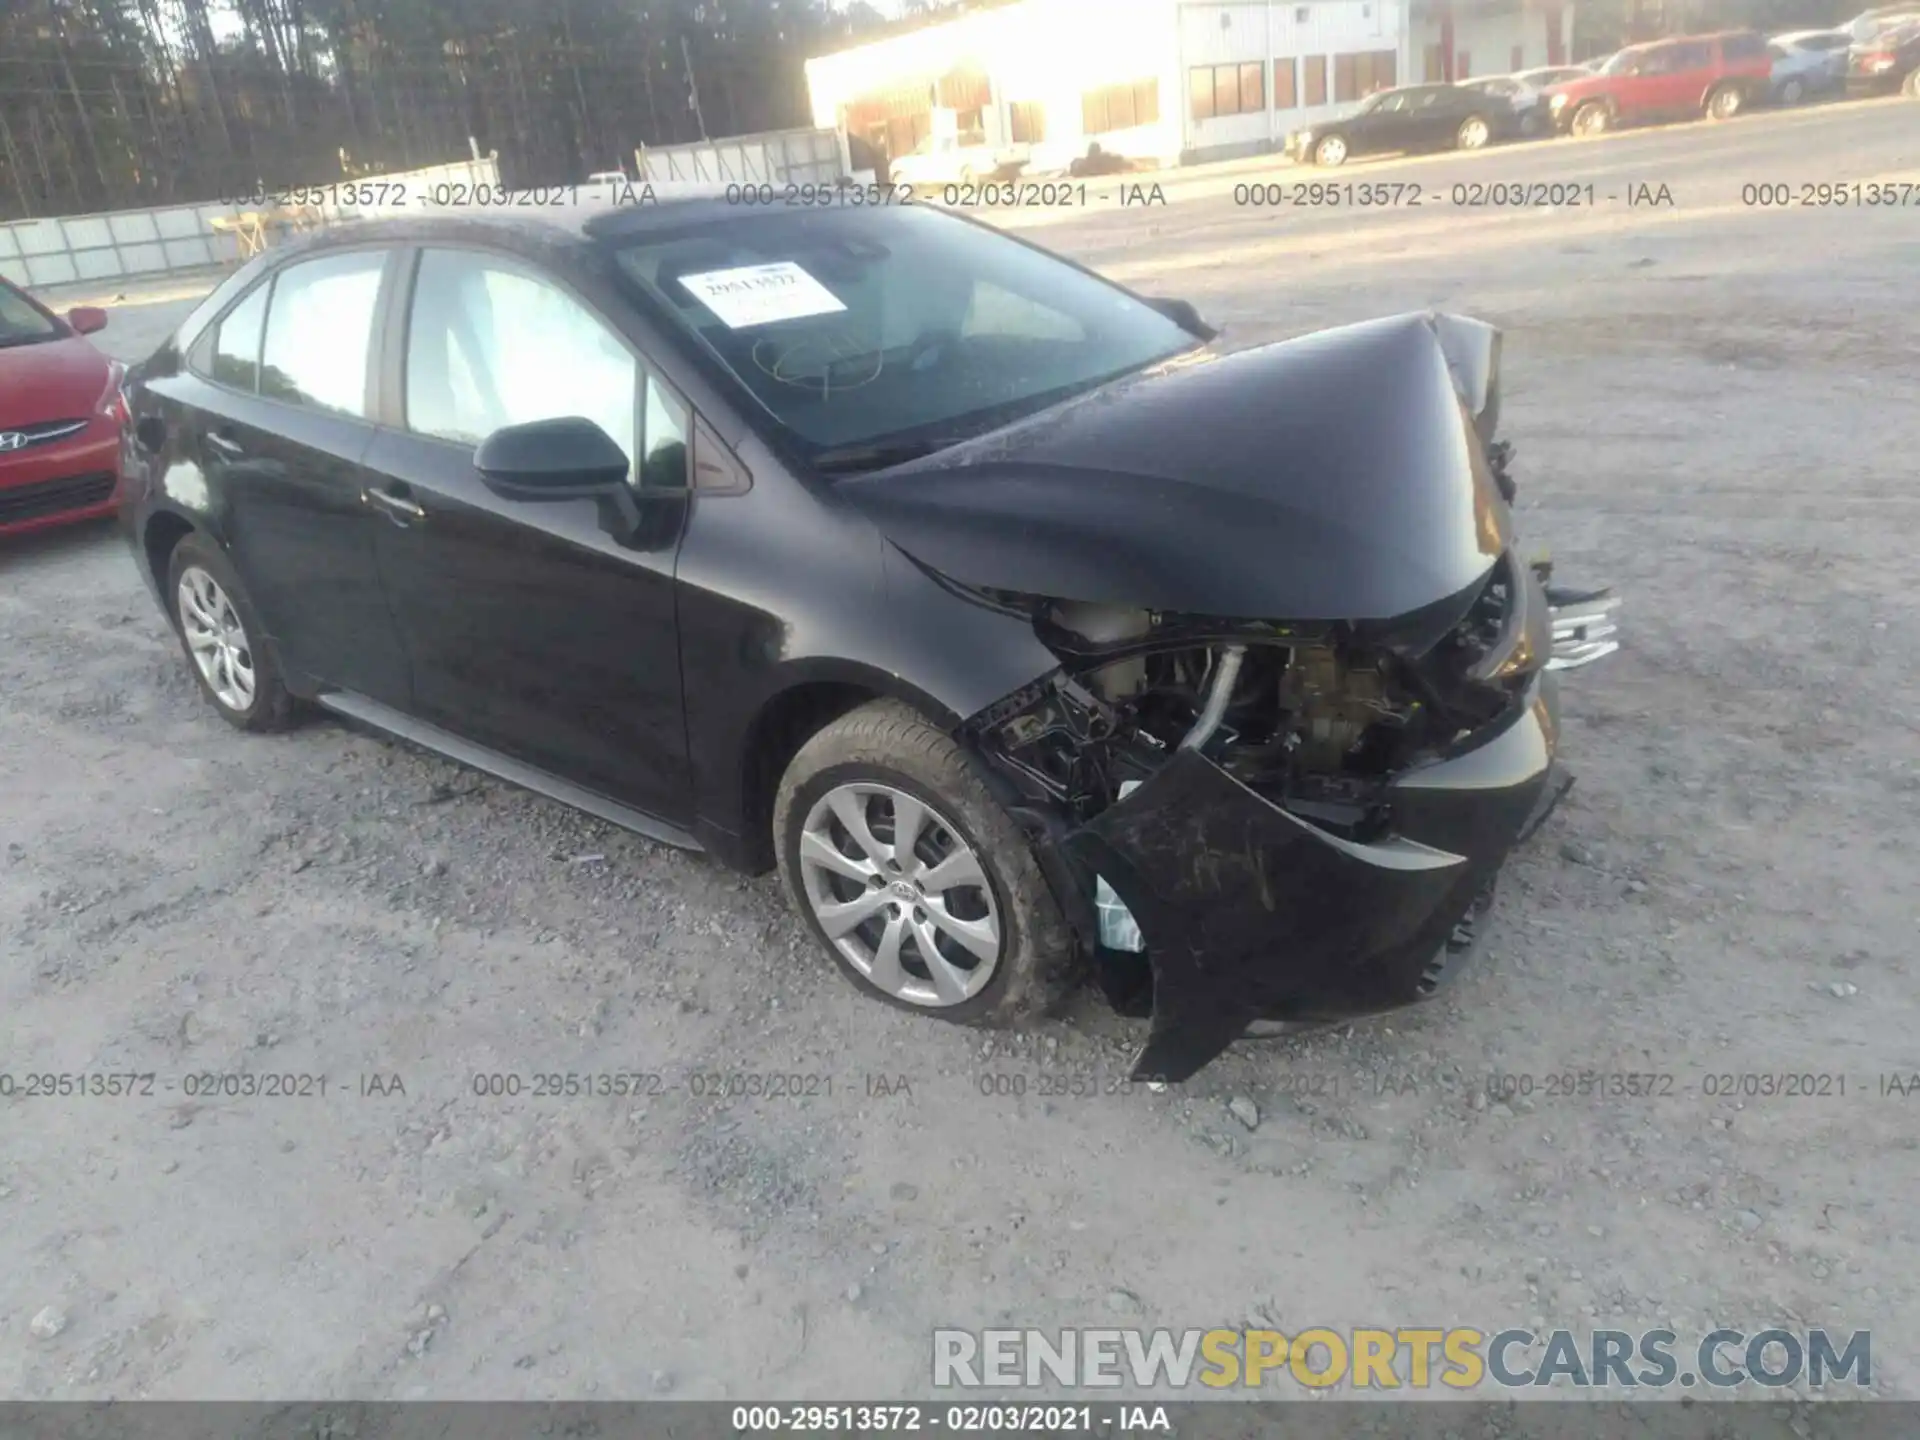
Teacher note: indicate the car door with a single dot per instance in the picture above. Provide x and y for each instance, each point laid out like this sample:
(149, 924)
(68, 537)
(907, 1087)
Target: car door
(1383, 127)
(1696, 66)
(531, 630)
(1432, 116)
(276, 404)
(1636, 85)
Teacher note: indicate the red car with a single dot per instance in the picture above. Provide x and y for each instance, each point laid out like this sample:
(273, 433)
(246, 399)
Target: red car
(1712, 75)
(60, 413)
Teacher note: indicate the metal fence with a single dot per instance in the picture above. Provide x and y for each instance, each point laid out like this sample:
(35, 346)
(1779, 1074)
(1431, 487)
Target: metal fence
(778, 157)
(63, 250)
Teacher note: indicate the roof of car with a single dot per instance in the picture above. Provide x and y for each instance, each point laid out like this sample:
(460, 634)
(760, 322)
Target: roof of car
(581, 217)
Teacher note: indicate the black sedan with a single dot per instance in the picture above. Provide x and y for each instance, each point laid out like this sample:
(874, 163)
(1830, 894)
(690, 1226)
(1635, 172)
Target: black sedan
(1414, 117)
(1004, 611)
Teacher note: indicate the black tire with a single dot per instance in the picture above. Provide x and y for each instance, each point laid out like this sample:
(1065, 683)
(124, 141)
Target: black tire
(887, 743)
(1724, 102)
(272, 706)
(1592, 118)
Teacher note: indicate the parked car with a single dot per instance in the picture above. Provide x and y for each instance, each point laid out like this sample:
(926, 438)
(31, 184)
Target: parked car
(1888, 62)
(59, 416)
(1712, 75)
(1808, 62)
(891, 551)
(1526, 105)
(941, 160)
(1413, 117)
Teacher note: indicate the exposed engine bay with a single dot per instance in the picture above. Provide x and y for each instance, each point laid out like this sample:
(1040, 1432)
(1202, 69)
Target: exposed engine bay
(1312, 718)
(1324, 723)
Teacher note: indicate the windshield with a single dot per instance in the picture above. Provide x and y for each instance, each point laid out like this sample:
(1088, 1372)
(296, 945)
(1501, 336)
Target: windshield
(21, 321)
(1621, 63)
(886, 328)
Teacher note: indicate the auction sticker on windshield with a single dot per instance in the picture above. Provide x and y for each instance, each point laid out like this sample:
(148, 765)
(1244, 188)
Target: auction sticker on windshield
(761, 294)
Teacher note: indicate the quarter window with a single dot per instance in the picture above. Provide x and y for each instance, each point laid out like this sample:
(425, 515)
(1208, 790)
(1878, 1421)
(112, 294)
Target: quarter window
(669, 423)
(236, 343)
(319, 331)
(490, 344)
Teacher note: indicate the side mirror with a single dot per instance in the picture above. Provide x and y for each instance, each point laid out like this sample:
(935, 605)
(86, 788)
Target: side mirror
(87, 319)
(1182, 313)
(565, 459)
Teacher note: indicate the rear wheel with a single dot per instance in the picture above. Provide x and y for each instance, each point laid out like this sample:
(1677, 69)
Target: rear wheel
(1793, 91)
(224, 640)
(921, 887)
(1592, 118)
(1330, 151)
(1911, 87)
(1473, 134)
(1724, 102)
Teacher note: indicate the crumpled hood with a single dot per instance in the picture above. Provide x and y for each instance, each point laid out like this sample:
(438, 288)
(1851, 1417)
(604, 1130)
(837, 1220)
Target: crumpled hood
(1332, 477)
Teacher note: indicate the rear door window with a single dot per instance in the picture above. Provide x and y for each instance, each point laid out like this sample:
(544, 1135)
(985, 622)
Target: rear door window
(235, 358)
(320, 331)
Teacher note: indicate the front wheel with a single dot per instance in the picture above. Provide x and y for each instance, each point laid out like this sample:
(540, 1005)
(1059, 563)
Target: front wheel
(905, 867)
(1724, 103)
(1793, 91)
(1331, 151)
(1592, 118)
(1911, 86)
(1473, 134)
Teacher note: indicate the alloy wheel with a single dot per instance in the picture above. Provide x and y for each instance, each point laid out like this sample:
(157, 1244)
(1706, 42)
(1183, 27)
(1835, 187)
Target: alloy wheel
(217, 639)
(1725, 104)
(1330, 151)
(1792, 92)
(900, 894)
(1473, 134)
(1590, 120)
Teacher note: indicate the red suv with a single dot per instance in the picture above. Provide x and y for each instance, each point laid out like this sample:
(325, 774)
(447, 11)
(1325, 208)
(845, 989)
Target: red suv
(1711, 75)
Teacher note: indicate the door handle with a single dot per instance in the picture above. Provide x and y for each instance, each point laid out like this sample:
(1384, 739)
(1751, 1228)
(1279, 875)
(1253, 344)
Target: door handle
(223, 443)
(399, 509)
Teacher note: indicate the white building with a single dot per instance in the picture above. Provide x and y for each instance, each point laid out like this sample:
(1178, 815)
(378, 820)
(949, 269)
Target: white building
(1168, 80)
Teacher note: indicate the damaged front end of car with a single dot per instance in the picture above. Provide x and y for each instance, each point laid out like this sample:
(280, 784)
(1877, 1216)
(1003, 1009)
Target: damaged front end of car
(1298, 817)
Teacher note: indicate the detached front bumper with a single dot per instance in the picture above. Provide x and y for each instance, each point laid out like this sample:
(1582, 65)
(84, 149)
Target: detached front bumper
(1249, 911)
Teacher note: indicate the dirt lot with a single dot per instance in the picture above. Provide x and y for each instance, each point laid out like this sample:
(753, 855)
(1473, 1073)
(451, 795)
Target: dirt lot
(1716, 406)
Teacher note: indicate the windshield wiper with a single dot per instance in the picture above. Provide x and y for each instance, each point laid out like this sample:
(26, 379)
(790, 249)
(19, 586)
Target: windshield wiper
(878, 455)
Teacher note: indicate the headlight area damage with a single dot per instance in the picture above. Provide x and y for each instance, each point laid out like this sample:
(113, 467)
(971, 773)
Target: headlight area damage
(1298, 816)
(1285, 822)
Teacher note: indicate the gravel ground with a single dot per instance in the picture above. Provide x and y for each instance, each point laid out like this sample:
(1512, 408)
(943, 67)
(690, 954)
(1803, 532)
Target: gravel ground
(1715, 406)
